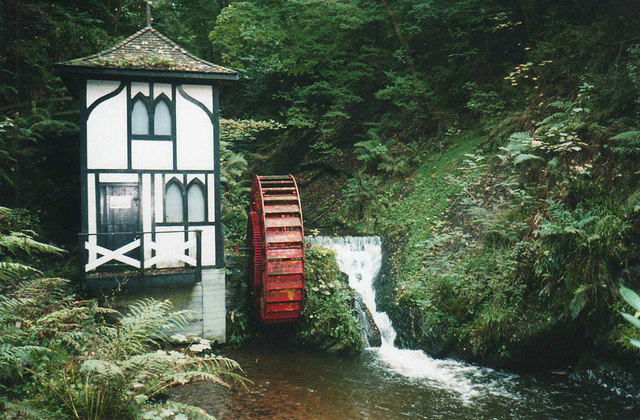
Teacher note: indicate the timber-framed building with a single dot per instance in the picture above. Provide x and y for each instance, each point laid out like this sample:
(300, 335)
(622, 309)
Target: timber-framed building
(150, 166)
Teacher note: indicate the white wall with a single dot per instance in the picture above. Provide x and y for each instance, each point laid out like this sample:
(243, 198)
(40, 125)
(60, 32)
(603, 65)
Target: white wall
(169, 246)
(151, 154)
(92, 214)
(208, 244)
(99, 88)
(211, 197)
(194, 131)
(159, 88)
(139, 88)
(147, 212)
(106, 128)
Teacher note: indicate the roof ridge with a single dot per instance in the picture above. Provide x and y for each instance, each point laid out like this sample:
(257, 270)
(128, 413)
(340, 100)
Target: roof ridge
(125, 41)
(139, 49)
(115, 47)
(179, 48)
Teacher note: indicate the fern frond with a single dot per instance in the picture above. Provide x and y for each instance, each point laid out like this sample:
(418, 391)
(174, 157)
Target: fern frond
(11, 273)
(66, 316)
(11, 305)
(100, 368)
(554, 119)
(20, 355)
(628, 136)
(54, 287)
(197, 375)
(147, 322)
(629, 141)
(524, 157)
(76, 340)
(20, 241)
(220, 363)
(521, 136)
(24, 409)
(106, 311)
(630, 297)
(562, 105)
(580, 300)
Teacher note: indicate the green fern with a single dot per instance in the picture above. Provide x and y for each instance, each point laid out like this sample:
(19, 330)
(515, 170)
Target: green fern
(555, 119)
(562, 105)
(23, 241)
(25, 409)
(525, 157)
(580, 299)
(627, 142)
(11, 355)
(146, 323)
(632, 299)
(11, 273)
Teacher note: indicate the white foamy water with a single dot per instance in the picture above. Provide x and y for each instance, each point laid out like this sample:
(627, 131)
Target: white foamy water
(361, 258)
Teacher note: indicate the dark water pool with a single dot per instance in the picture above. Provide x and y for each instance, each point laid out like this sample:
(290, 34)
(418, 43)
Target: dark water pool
(291, 383)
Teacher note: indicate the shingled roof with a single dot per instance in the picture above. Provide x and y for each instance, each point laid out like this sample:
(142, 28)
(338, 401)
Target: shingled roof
(149, 50)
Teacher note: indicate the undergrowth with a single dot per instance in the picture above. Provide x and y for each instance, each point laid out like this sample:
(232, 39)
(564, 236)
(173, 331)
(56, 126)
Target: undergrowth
(328, 320)
(498, 250)
(65, 357)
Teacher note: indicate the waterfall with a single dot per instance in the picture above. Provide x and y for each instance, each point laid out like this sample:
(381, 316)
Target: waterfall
(361, 258)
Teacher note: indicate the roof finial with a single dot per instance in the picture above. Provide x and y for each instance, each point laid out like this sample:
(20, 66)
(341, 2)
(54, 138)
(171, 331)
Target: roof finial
(148, 14)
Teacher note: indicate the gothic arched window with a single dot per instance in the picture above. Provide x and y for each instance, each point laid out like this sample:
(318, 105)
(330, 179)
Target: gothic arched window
(196, 201)
(140, 118)
(174, 202)
(162, 119)
(151, 119)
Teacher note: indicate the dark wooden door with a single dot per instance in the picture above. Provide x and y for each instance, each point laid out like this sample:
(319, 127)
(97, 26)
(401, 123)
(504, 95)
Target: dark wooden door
(119, 212)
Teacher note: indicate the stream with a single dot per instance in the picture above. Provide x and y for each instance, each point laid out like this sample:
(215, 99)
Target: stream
(387, 382)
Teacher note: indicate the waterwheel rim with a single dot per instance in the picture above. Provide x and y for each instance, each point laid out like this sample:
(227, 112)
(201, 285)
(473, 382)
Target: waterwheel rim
(278, 249)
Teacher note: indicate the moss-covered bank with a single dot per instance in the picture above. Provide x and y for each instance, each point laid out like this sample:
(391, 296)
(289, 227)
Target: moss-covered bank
(484, 264)
(329, 320)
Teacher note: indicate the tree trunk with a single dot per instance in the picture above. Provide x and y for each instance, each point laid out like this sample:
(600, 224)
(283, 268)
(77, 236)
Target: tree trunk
(398, 33)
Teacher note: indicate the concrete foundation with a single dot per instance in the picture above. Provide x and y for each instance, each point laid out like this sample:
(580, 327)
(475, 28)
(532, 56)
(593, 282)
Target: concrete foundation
(206, 301)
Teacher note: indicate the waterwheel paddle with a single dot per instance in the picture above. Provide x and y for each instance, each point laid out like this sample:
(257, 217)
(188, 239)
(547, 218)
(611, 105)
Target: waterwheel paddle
(276, 237)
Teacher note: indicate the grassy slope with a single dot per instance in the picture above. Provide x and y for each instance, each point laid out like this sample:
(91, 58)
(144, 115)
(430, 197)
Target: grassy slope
(427, 199)
(447, 290)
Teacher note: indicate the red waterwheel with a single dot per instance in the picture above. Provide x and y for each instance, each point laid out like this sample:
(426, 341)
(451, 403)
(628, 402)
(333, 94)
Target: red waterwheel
(276, 238)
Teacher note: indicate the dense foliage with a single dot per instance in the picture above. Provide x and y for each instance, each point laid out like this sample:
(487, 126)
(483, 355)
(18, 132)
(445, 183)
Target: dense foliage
(328, 320)
(495, 144)
(64, 357)
(525, 244)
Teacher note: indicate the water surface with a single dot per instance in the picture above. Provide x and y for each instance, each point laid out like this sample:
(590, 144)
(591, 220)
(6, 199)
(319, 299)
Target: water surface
(387, 382)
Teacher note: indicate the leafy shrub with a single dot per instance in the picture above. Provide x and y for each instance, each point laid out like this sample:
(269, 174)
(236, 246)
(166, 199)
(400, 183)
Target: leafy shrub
(328, 321)
(633, 300)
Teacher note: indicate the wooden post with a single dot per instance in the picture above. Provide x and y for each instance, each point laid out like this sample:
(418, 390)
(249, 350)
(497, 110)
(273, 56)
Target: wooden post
(198, 256)
(141, 236)
(148, 14)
